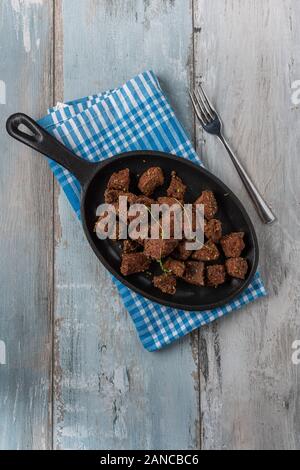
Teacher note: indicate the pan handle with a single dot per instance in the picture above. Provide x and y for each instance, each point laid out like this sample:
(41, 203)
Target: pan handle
(43, 142)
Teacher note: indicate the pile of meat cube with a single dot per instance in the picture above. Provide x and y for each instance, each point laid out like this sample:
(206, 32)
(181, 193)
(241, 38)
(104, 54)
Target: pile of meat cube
(199, 268)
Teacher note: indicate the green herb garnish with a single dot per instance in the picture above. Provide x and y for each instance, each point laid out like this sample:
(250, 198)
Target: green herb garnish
(164, 270)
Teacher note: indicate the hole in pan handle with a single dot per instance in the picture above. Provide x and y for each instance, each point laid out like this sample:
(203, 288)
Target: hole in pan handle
(40, 140)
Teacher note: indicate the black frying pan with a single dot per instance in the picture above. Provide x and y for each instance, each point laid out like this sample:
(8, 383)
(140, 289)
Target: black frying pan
(93, 178)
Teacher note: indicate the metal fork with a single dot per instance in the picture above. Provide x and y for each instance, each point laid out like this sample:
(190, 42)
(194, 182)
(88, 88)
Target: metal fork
(211, 123)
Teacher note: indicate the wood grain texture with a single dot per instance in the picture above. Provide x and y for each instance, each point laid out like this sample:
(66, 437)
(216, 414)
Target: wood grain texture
(26, 232)
(247, 52)
(109, 392)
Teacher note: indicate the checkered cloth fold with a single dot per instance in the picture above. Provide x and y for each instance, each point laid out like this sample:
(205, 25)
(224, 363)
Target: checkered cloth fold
(135, 116)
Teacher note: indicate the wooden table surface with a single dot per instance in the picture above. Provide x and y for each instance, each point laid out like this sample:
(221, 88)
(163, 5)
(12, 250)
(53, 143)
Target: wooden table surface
(74, 375)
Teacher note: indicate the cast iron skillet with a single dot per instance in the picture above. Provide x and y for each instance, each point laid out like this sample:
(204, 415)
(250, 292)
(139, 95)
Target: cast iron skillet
(93, 178)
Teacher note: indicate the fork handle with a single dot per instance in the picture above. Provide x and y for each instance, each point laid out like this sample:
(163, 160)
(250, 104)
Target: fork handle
(264, 211)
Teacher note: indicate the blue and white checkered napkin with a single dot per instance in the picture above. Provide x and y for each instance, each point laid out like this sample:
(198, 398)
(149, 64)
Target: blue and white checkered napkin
(133, 117)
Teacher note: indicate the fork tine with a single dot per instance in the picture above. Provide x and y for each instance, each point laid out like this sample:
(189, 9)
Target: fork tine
(213, 112)
(203, 106)
(205, 117)
(198, 114)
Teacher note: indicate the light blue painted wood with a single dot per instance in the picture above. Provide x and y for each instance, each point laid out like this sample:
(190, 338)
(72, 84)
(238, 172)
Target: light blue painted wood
(2, 92)
(25, 231)
(247, 52)
(109, 392)
(2, 353)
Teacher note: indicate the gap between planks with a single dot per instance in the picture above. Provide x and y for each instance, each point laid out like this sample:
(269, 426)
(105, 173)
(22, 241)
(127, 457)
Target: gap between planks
(58, 95)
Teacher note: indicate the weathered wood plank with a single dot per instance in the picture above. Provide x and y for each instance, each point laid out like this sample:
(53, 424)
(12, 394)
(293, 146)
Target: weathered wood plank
(248, 54)
(26, 231)
(109, 392)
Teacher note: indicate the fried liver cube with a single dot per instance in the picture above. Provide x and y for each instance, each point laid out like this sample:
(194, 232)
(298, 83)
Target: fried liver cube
(147, 201)
(166, 283)
(169, 201)
(209, 252)
(194, 273)
(233, 244)
(111, 196)
(216, 275)
(213, 230)
(140, 241)
(150, 180)
(158, 249)
(237, 267)
(177, 188)
(181, 252)
(209, 202)
(119, 180)
(174, 266)
(133, 263)
(130, 246)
